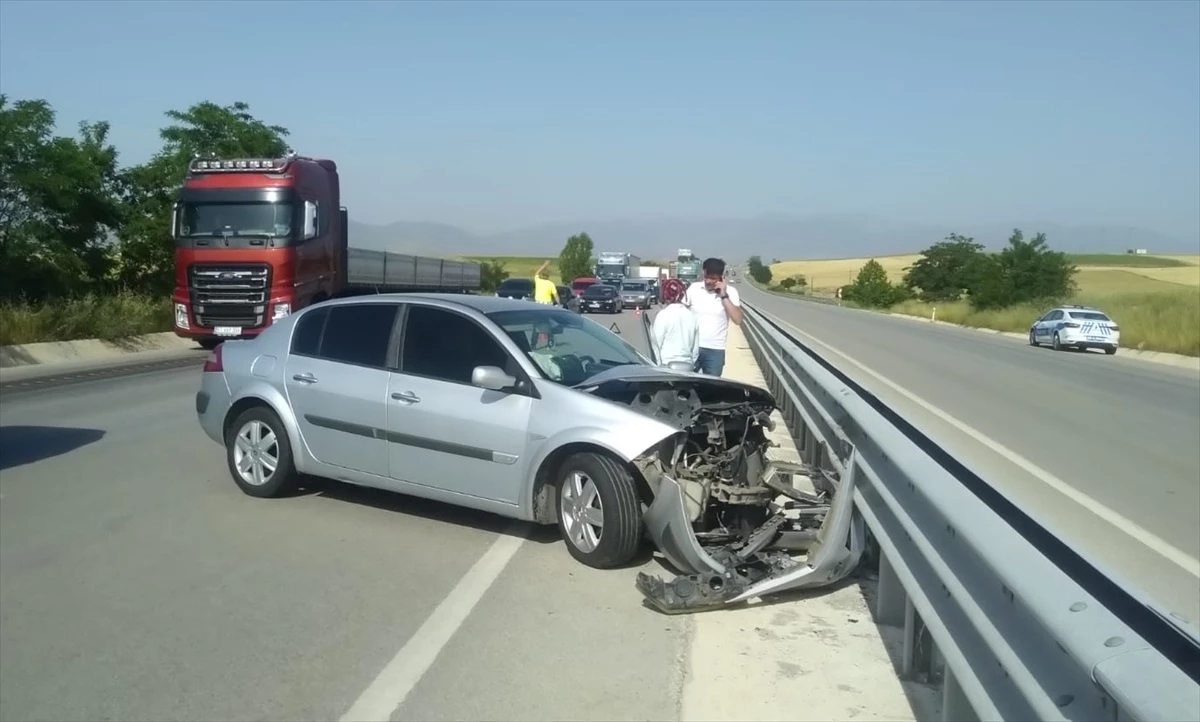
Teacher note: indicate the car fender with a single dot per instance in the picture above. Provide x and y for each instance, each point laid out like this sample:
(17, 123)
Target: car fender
(626, 440)
(268, 394)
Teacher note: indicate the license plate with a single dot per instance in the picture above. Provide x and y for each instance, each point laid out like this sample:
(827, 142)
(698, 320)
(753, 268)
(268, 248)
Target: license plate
(228, 330)
(1096, 338)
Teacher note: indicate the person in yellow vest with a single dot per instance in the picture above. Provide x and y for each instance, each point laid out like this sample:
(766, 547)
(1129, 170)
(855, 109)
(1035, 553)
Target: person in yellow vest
(544, 290)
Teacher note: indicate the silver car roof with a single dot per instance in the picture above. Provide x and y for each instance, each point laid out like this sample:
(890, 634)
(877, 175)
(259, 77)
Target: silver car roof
(482, 304)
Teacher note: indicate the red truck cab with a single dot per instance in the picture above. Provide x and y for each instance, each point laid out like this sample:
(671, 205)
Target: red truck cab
(255, 240)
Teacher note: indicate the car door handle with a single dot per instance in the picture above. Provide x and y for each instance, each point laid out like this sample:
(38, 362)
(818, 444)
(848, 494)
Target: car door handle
(407, 397)
(305, 378)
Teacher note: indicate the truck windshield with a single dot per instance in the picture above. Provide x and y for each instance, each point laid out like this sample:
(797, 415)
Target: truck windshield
(610, 269)
(235, 219)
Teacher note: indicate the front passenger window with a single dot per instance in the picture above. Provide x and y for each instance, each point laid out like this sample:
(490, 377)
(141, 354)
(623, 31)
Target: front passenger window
(359, 333)
(447, 346)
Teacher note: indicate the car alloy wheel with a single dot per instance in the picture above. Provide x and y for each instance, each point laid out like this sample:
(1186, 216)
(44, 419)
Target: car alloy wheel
(599, 512)
(259, 454)
(1032, 339)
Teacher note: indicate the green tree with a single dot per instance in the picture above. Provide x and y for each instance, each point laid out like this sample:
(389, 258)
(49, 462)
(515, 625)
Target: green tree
(872, 288)
(576, 258)
(943, 271)
(205, 129)
(759, 271)
(491, 275)
(1023, 272)
(57, 203)
(787, 283)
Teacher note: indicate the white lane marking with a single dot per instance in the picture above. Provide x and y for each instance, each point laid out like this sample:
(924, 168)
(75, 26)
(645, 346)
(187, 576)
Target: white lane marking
(391, 687)
(1130, 528)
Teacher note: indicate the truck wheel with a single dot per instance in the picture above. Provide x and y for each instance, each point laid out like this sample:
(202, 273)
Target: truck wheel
(259, 454)
(599, 513)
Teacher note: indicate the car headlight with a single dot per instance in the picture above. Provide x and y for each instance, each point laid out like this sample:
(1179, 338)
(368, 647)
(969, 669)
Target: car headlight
(281, 310)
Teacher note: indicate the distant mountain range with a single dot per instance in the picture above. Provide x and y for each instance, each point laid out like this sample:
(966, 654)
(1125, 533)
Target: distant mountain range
(770, 236)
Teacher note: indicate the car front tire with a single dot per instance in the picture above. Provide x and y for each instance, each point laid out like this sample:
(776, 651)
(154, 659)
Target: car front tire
(599, 513)
(1032, 339)
(259, 454)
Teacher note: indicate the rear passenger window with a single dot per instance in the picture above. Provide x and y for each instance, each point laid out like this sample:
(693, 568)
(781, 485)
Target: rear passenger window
(359, 333)
(447, 346)
(306, 337)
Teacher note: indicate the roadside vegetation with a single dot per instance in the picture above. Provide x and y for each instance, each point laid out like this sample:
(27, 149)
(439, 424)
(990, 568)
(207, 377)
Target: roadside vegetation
(85, 245)
(1155, 299)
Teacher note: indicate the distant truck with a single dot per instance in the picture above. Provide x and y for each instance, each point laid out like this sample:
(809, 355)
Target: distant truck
(614, 268)
(259, 238)
(686, 266)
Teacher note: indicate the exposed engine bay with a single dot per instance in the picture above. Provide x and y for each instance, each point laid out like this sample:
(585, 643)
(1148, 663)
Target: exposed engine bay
(730, 520)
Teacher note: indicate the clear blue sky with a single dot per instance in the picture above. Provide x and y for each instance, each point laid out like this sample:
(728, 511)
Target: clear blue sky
(493, 115)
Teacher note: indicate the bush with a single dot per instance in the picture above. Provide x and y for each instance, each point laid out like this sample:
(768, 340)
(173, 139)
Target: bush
(872, 289)
(104, 317)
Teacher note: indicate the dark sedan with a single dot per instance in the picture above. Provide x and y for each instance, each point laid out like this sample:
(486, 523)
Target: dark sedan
(519, 288)
(601, 299)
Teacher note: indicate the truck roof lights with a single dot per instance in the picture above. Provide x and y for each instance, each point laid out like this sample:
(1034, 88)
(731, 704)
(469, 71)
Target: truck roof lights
(235, 165)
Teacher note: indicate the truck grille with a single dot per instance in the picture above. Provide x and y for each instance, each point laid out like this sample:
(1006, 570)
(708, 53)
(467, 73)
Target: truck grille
(232, 294)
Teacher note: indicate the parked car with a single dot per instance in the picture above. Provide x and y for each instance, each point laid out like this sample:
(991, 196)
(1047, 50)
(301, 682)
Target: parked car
(600, 298)
(568, 300)
(636, 294)
(520, 288)
(520, 409)
(1077, 327)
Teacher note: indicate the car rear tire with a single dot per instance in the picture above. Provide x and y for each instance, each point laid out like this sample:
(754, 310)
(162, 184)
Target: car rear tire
(259, 454)
(1110, 350)
(1057, 344)
(599, 513)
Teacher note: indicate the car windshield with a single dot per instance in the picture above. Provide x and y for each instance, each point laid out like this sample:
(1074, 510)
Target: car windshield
(1089, 316)
(566, 347)
(634, 287)
(599, 292)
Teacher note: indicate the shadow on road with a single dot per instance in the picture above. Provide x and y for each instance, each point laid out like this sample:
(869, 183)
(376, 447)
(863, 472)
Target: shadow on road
(446, 513)
(29, 444)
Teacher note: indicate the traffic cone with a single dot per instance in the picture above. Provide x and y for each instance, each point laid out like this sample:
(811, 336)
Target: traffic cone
(637, 312)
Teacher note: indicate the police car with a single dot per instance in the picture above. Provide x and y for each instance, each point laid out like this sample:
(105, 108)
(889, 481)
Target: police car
(1078, 327)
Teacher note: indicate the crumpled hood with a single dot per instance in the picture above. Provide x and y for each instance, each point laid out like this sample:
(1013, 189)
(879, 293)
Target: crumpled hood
(657, 374)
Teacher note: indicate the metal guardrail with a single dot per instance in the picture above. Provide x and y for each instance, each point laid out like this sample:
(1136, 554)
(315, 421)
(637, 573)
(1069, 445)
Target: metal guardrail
(1012, 623)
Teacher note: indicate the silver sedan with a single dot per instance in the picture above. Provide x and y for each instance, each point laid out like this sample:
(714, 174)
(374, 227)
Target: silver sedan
(524, 410)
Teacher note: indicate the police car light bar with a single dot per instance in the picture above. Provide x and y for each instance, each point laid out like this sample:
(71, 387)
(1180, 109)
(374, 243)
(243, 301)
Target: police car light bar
(238, 165)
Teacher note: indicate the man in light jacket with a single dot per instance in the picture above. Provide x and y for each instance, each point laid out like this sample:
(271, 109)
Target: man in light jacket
(675, 332)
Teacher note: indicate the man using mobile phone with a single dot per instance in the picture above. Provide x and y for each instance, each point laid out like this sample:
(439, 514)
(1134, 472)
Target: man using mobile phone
(715, 303)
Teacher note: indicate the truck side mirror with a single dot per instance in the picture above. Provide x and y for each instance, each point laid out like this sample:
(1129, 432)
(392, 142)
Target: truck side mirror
(310, 220)
(175, 221)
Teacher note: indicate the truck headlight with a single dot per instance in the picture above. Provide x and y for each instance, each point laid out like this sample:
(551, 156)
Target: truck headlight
(280, 310)
(181, 316)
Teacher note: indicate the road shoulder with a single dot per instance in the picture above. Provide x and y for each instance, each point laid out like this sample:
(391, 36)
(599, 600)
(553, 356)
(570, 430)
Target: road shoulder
(814, 656)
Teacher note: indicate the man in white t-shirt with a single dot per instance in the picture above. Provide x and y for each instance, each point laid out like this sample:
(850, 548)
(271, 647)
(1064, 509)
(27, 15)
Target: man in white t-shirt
(714, 303)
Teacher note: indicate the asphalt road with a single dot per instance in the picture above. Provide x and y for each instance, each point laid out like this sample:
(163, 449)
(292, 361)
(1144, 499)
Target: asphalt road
(1103, 449)
(138, 583)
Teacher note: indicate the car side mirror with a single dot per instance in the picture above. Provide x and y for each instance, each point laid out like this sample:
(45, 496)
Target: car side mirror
(492, 378)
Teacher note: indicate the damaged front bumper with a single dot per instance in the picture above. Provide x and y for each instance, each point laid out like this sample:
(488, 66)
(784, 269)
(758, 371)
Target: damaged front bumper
(717, 576)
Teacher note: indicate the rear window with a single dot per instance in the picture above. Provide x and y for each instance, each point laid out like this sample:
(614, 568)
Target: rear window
(597, 291)
(517, 284)
(635, 287)
(580, 286)
(1089, 316)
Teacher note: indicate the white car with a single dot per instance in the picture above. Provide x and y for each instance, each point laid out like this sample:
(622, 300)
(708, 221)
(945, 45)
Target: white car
(1078, 327)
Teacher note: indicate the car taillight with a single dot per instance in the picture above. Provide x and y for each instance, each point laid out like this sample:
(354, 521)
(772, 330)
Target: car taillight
(1114, 327)
(1070, 325)
(214, 363)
